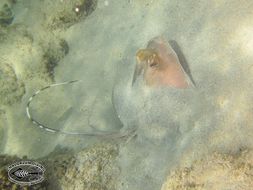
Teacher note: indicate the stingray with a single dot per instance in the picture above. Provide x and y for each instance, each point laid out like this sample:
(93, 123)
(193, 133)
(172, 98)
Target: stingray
(160, 66)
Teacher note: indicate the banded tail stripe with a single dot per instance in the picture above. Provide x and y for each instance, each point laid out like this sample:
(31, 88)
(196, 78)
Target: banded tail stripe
(37, 123)
(116, 134)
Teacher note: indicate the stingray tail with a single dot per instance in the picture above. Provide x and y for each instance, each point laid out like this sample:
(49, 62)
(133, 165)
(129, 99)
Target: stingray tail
(29, 115)
(117, 134)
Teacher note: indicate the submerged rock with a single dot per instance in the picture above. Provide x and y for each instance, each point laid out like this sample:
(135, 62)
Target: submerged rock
(6, 15)
(217, 171)
(55, 50)
(90, 169)
(67, 13)
(93, 168)
(12, 89)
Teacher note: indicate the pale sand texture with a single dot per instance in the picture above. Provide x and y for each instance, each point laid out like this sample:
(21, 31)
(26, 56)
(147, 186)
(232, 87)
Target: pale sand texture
(216, 40)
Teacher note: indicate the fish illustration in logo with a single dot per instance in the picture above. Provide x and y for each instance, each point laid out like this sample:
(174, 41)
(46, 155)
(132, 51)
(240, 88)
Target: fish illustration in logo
(160, 66)
(26, 173)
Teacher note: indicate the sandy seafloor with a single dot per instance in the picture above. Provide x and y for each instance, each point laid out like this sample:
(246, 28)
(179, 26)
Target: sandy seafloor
(175, 127)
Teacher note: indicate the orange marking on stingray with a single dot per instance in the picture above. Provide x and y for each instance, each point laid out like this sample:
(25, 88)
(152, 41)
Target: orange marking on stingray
(161, 65)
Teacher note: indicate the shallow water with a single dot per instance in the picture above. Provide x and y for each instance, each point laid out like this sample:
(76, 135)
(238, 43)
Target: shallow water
(49, 42)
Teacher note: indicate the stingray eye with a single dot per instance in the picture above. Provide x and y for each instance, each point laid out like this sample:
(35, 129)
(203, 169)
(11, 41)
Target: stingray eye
(153, 61)
(153, 64)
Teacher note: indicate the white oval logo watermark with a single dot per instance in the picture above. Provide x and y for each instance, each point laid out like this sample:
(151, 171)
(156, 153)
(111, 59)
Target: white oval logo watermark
(26, 173)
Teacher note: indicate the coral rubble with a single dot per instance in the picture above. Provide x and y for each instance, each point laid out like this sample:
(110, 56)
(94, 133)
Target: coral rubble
(92, 169)
(65, 14)
(217, 171)
(12, 89)
(6, 15)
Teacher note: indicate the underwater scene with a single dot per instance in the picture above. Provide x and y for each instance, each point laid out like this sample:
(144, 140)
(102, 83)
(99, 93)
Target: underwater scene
(126, 95)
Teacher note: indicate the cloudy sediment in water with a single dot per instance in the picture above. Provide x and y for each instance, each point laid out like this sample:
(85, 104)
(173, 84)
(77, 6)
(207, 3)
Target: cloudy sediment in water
(173, 125)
